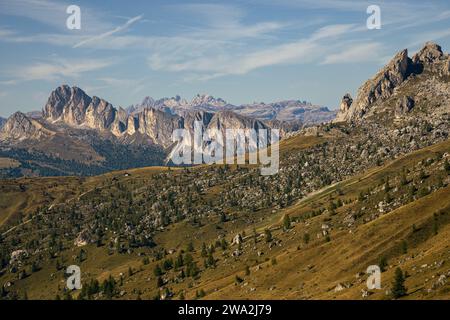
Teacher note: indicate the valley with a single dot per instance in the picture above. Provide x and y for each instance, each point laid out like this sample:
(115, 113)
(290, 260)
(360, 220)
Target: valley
(371, 187)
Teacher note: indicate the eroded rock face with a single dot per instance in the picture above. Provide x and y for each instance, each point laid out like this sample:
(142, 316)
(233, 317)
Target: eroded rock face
(379, 87)
(431, 58)
(155, 124)
(403, 106)
(19, 127)
(429, 54)
(67, 104)
(100, 114)
(389, 78)
(345, 105)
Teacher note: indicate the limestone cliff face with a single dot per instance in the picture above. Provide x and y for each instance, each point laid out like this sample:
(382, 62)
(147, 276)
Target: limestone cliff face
(380, 87)
(19, 127)
(383, 85)
(120, 122)
(155, 124)
(100, 114)
(67, 104)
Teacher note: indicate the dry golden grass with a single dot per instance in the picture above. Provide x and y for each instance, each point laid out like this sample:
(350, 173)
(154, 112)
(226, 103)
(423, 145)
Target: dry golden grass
(301, 271)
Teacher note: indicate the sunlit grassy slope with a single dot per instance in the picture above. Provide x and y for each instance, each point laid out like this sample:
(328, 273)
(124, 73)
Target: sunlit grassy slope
(414, 236)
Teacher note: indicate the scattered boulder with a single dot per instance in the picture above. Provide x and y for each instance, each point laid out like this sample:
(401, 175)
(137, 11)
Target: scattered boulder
(18, 256)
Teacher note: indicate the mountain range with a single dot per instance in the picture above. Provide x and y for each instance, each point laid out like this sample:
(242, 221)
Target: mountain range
(284, 111)
(76, 128)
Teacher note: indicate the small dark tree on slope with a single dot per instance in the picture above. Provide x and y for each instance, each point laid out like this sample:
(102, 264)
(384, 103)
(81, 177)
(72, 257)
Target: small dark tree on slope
(398, 286)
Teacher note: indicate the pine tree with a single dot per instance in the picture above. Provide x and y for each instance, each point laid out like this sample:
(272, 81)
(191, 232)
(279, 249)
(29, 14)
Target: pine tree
(398, 286)
(159, 282)
(286, 222)
(447, 166)
(211, 261)
(383, 263)
(179, 262)
(204, 251)
(268, 235)
(306, 238)
(224, 244)
(157, 271)
(404, 247)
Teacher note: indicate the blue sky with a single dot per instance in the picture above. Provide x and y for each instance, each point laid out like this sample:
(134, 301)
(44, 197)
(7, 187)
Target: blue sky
(241, 51)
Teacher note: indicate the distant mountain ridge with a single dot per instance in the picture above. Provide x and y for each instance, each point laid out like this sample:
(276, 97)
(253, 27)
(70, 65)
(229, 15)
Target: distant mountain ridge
(286, 110)
(89, 130)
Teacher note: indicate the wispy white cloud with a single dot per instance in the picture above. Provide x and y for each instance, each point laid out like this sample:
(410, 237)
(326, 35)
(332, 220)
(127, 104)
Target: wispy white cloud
(331, 31)
(4, 32)
(355, 53)
(57, 69)
(420, 38)
(211, 63)
(108, 33)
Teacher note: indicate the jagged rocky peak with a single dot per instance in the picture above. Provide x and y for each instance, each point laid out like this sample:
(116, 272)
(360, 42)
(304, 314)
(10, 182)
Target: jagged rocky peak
(430, 53)
(19, 127)
(431, 58)
(207, 100)
(68, 104)
(393, 75)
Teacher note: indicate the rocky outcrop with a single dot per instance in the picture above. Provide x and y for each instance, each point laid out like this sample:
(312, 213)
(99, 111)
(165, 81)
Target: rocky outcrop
(429, 54)
(404, 105)
(383, 85)
(431, 58)
(19, 127)
(344, 107)
(380, 87)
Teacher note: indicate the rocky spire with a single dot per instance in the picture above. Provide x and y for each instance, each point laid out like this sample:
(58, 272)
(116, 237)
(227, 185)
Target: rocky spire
(345, 105)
